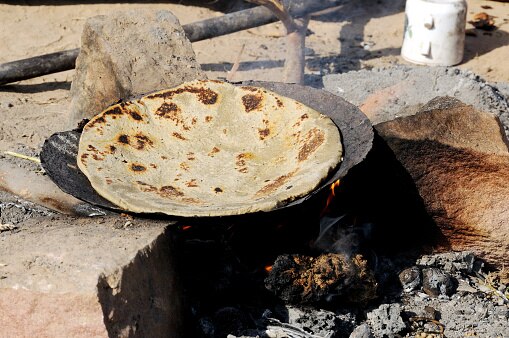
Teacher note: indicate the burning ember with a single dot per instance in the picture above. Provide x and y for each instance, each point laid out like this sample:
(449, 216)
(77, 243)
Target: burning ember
(330, 198)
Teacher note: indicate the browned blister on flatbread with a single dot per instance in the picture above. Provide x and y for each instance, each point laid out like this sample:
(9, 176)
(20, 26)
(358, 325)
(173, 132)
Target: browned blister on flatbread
(208, 148)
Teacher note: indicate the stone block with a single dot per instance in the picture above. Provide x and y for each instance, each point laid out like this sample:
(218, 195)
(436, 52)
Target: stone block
(88, 277)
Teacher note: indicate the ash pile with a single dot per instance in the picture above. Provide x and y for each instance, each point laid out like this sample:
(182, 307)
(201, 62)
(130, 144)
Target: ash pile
(232, 294)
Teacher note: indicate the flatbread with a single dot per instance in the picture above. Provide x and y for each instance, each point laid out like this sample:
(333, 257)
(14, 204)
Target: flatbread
(208, 148)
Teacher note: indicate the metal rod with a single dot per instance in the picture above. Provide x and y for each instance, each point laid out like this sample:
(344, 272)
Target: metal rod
(230, 23)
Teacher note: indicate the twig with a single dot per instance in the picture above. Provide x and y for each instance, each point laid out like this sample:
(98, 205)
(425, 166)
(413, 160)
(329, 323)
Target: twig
(296, 29)
(235, 67)
(24, 157)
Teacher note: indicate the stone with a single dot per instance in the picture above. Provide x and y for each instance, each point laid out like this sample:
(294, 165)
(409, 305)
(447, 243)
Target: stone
(129, 53)
(384, 94)
(88, 277)
(458, 159)
(450, 262)
(386, 320)
(436, 282)
(410, 279)
(362, 331)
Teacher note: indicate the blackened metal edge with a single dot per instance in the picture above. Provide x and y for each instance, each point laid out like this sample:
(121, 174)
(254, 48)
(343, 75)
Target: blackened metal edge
(58, 159)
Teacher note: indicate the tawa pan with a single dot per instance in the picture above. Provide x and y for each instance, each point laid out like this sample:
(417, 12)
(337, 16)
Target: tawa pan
(59, 152)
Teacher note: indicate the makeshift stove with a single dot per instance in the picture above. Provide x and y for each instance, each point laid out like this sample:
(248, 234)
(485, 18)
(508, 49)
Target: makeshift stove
(266, 275)
(227, 259)
(311, 268)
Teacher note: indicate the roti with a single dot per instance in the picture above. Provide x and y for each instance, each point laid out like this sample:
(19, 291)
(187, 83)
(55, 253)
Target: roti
(208, 148)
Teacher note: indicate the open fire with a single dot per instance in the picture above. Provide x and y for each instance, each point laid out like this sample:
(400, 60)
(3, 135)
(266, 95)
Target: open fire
(242, 276)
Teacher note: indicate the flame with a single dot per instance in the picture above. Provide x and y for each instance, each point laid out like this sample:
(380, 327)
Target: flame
(268, 268)
(331, 196)
(186, 227)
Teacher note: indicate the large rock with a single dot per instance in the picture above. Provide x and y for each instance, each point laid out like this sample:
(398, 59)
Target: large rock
(128, 53)
(89, 277)
(459, 161)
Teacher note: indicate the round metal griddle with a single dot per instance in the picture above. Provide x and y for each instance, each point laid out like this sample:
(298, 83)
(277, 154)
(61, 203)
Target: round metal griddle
(59, 152)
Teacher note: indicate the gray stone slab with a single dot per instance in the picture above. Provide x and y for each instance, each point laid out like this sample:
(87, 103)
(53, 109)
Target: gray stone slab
(387, 93)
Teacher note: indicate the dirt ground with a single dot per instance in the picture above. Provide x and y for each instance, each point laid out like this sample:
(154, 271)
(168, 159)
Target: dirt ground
(32, 110)
(362, 35)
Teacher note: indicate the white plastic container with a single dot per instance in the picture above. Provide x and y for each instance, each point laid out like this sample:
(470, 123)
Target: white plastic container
(434, 32)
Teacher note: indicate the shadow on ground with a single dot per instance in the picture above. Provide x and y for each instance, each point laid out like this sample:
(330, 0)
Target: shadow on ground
(479, 42)
(37, 87)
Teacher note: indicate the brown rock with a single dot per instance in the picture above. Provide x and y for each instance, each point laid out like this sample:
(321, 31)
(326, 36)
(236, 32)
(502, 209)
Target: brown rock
(88, 277)
(129, 53)
(458, 159)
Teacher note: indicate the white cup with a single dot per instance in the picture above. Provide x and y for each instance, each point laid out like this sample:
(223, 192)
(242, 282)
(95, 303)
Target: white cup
(434, 32)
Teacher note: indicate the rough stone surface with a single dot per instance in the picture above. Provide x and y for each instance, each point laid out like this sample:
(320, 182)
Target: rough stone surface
(384, 94)
(462, 175)
(451, 262)
(464, 315)
(129, 53)
(503, 88)
(410, 279)
(386, 320)
(436, 282)
(362, 331)
(88, 277)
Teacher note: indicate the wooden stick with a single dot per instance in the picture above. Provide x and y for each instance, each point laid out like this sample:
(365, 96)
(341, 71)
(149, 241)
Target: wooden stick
(295, 36)
(202, 30)
(235, 67)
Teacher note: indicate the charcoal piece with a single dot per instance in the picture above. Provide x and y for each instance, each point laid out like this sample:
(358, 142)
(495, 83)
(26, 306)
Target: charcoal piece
(410, 279)
(229, 320)
(436, 282)
(326, 278)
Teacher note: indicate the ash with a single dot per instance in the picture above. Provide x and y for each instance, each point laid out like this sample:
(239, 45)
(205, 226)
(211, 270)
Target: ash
(230, 291)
